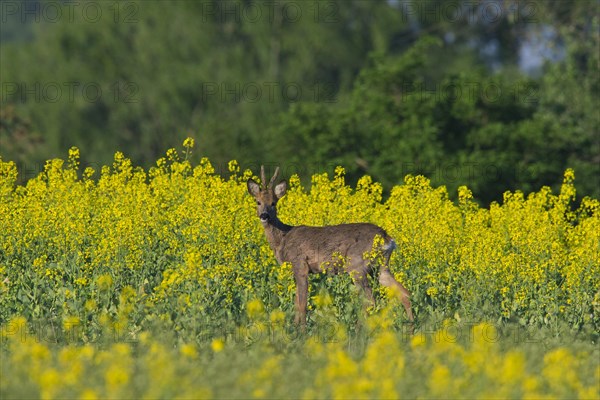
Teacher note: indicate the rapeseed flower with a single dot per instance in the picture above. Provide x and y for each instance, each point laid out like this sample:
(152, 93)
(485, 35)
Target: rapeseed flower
(168, 258)
(217, 345)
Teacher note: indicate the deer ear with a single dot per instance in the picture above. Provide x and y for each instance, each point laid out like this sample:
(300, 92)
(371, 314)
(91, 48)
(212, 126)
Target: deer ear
(253, 187)
(280, 189)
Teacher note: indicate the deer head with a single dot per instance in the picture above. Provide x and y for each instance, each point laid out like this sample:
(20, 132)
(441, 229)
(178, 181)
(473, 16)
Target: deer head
(266, 196)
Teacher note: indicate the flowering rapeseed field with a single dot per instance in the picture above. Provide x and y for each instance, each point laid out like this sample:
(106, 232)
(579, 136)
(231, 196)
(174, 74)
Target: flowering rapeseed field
(127, 283)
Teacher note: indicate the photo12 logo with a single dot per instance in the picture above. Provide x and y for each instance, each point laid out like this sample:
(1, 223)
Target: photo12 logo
(469, 11)
(488, 92)
(68, 11)
(70, 92)
(465, 172)
(271, 92)
(270, 11)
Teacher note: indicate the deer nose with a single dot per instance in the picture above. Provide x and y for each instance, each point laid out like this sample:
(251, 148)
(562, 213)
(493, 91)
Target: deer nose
(264, 217)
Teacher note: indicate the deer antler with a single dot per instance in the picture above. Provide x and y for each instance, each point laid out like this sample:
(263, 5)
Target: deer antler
(274, 177)
(263, 180)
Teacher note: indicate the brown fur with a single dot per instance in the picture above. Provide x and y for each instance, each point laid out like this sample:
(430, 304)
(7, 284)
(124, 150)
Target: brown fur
(312, 249)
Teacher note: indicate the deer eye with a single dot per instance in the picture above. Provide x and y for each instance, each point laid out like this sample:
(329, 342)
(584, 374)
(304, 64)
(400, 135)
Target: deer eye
(273, 204)
(258, 203)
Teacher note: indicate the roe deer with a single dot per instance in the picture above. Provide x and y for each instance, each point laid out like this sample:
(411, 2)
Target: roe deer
(310, 249)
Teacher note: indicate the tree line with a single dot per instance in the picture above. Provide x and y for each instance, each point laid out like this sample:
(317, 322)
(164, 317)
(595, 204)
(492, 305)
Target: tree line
(442, 88)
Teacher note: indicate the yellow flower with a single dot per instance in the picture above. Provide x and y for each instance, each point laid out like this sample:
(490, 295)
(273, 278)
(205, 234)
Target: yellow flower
(88, 172)
(217, 345)
(81, 281)
(513, 368)
(560, 368)
(74, 154)
(16, 329)
(71, 323)
(50, 382)
(277, 317)
(172, 155)
(88, 394)
(255, 308)
(183, 242)
(189, 143)
(104, 282)
(418, 340)
(440, 380)
(116, 376)
(464, 194)
(322, 300)
(189, 350)
(233, 167)
(569, 175)
(90, 305)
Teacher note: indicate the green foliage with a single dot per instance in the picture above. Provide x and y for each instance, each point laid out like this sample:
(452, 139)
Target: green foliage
(489, 132)
(384, 88)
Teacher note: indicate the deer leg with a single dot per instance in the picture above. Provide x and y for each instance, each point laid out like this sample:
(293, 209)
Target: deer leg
(301, 278)
(362, 281)
(387, 279)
